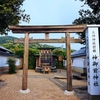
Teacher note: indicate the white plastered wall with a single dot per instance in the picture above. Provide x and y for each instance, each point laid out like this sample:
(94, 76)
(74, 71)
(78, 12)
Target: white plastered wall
(78, 62)
(3, 61)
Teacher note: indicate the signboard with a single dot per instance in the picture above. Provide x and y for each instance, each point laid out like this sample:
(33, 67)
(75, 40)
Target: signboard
(93, 59)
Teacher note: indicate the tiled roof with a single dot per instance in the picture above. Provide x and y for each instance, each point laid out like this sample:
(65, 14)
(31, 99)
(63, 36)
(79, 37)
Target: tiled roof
(81, 52)
(6, 54)
(5, 50)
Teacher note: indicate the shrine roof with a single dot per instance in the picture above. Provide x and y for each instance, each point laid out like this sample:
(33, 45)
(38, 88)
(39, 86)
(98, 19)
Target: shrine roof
(46, 48)
(39, 55)
(81, 52)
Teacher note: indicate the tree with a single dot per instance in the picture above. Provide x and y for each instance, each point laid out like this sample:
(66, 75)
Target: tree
(11, 14)
(60, 52)
(88, 16)
(31, 56)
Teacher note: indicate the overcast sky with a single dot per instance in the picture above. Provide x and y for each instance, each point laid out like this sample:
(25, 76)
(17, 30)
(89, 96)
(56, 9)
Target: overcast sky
(52, 12)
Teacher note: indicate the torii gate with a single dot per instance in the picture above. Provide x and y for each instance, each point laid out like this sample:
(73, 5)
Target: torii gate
(67, 29)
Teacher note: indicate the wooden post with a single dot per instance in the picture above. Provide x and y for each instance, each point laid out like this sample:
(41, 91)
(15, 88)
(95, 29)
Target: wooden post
(25, 65)
(40, 59)
(46, 35)
(68, 64)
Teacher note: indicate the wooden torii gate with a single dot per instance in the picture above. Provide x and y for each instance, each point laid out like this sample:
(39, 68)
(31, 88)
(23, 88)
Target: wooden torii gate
(67, 29)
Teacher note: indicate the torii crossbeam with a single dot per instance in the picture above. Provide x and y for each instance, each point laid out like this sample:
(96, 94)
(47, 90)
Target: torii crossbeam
(67, 29)
(72, 40)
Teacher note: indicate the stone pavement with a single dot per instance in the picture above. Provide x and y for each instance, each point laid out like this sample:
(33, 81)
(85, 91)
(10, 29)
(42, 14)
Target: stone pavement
(41, 86)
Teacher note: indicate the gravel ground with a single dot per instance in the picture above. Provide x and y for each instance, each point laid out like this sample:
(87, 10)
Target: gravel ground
(41, 86)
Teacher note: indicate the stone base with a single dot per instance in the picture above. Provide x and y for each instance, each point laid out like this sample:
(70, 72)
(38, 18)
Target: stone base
(94, 97)
(24, 91)
(68, 92)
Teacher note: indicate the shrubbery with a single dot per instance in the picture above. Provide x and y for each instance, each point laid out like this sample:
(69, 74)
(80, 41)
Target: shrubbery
(12, 67)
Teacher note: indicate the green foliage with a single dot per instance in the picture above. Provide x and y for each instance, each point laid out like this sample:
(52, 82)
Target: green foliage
(7, 42)
(32, 59)
(11, 14)
(12, 67)
(89, 16)
(47, 46)
(19, 52)
(38, 45)
(6, 39)
(60, 52)
(73, 50)
(59, 64)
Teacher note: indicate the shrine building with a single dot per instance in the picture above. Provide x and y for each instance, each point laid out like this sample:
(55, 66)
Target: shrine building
(45, 58)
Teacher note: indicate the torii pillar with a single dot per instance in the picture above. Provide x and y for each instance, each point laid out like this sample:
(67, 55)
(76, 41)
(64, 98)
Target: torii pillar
(68, 65)
(68, 58)
(25, 65)
(25, 68)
